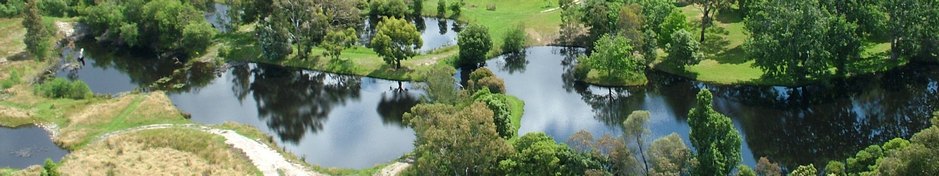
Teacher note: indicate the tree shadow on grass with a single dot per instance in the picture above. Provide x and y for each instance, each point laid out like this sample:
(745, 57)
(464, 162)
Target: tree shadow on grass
(729, 16)
(241, 46)
(735, 55)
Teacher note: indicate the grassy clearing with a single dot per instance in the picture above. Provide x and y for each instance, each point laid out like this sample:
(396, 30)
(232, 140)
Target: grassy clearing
(726, 61)
(541, 18)
(599, 78)
(517, 109)
(11, 40)
(29, 171)
(169, 151)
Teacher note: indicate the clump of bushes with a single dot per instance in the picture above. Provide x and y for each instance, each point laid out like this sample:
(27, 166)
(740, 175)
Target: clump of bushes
(514, 41)
(11, 8)
(63, 88)
(484, 78)
(502, 115)
(388, 8)
(13, 79)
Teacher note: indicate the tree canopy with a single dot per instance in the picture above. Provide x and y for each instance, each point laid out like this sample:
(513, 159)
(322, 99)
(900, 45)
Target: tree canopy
(474, 43)
(396, 40)
(714, 137)
(456, 141)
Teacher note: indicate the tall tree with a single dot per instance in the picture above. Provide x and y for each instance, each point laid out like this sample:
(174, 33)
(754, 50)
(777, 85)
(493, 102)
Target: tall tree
(673, 23)
(636, 129)
(683, 50)
(337, 40)
(790, 39)
(396, 40)
(306, 22)
(273, 38)
(714, 137)
(670, 156)
(708, 9)
(453, 141)
(613, 56)
(474, 43)
(914, 30)
(37, 36)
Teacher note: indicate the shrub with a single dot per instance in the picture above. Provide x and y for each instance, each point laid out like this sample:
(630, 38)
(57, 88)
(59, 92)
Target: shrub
(441, 8)
(474, 43)
(484, 78)
(502, 115)
(456, 8)
(11, 8)
(13, 79)
(62, 88)
(57, 8)
(515, 40)
(48, 169)
(388, 8)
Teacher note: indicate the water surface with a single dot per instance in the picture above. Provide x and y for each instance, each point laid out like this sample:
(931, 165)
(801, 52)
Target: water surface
(28, 145)
(436, 33)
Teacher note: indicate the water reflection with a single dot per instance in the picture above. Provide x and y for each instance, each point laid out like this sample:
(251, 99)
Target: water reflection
(797, 125)
(25, 146)
(434, 32)
(112, 71)
(329, 119)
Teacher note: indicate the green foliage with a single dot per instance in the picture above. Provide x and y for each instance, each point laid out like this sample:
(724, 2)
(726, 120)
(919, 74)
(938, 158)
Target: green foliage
(58, 8)
(674, 22)
(484, 78)
(456, 9)
(683, 50)
(474, 43)
(12, 79)
(49, 168)
(865, 160)
(919, 157)
(766, 168)
(396, 40)
(502, 115)
(913, 28)
(515, 41)
(441, 85)
(12, 8)
(613, 55)
(835, 168)
(744, 170)
(670, 156)
(805, 171)
(636, 130)
(417, 6)
(603, 17)
(477, 150)
(167, 26)
(273, 39)
(338, 40)
(305, 21)
(63, 88)
(37, 34)
(610, 151)
(441, 8)
(714, 137)
(388, 8)
(538, 154)
(197, 37)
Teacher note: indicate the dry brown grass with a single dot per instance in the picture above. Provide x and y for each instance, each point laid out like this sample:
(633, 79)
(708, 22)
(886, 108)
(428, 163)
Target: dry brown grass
(11, 39)
(28, 171)
(172, 151)
(115, 114)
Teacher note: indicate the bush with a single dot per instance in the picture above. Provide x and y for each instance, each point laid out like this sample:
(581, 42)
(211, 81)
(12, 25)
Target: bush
(474, 43)
(441, 8)
(515, 40)
(484, 78)
(388, 8)
(48, 169)
(13, 79)
(11, 8)
(62, 88)
(683, 50)
(58, 8)
(456, 8)
(502, 114)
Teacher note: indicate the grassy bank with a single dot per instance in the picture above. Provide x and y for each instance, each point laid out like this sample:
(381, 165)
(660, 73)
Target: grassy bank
(599, 78)
(541, 18)
(727, 63)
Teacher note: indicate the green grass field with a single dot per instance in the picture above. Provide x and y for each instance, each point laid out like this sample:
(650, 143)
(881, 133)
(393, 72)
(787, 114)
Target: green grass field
(540, 18)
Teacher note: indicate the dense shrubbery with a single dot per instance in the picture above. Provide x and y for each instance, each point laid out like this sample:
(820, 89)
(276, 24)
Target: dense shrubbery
(502, 114)
(484, 78)
(388, 8)
(11, 8)
(514, 42)
(474, 43)
(163, 25)
(63, 88)
(12, 79)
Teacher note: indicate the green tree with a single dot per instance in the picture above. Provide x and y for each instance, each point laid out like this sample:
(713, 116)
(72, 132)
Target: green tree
(670, 156)
(11, 8)
(417, 6)
(502, 113)
(37, 36)
(805, 171)
(474, 43)
(714, 137)
(514, 41)
(453, 141)
(683, 50)
(441, 8)
(844, 43)
(538, 154)
(338, 40)
(790, 39)
(305, 21)
(484, 78)
(918, 156)
(835, 168)
(708, 9)
(674, 22)
(914, 32)
(197, 37)
(396, 40)
(602, 18)
(49, 168)
(389, 8)
(441, 85)
(456, 9)
(612, 55)
(273, 39)
(636, 129)
(744, 170)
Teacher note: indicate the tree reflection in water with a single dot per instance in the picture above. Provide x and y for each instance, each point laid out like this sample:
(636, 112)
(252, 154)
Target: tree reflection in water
(392, 107)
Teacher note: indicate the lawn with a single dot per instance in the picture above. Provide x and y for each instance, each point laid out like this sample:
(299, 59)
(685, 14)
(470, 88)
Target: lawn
(541, 18)
(726, 61)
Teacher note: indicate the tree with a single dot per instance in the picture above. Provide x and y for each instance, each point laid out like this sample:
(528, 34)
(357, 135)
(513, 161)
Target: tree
(919, 156)
(790, 39)
(914, 32)
(388, 8)
(474, 43)
(396, 40)
(484, 78)
(673, 23)
(502, 113)
(514, 41)
(197, 37)
(683, 50)
(11, 8)
(744, 170)
(453, 141)
(441, 85)
(635, 128)
(845, 43)
(338, 40)
(629, 24)
(714, 137)
(417, 6)
(273, 39)
(805, 171)
(49, 168)
(37, 36)
(708, 9)
(670, 156)
(306, 22)
(766, 168)
(835, 168)
(456, 9)
(612, 55)
(602, 18)
(441, 8)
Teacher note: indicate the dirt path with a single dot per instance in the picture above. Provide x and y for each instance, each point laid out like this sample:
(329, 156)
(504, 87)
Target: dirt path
(262, 156)
(393, 169)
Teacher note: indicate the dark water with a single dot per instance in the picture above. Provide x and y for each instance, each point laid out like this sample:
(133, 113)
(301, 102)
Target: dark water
(111, 71)
(25, 146)
(330, 120)
(794, 126)
(436, 33)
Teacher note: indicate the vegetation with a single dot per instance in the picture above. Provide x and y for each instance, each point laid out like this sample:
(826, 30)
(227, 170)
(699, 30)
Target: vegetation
(441, 86)
(683, 50)
(613, 59)
(515, 41)
(916, 156)
(396, 40)
(474, 43)
(670, 156)
(36, 32)
(167, 26)
(502, 114)
(338, 40)
(714, 137)
(62, 88)
(483, 78)
(636, 131)
(478, 152)
(389, 8)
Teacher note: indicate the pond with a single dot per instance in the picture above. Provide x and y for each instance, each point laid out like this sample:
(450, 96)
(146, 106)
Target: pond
(113, 71)
(24, 146)
(790, 125)
(436, 33)
(328, 119)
